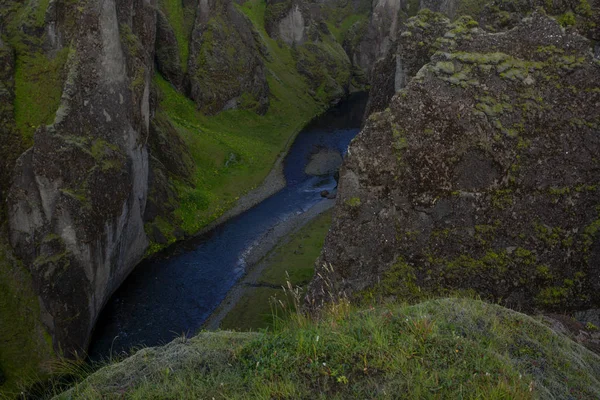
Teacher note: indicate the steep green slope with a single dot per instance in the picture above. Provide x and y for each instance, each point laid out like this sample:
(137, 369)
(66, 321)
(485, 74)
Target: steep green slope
(24, 343)
(440, 349)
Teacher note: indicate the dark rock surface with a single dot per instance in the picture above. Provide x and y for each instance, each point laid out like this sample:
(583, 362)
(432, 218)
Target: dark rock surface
(11, 145)
(78, 195)
(482, 176)
(412, 41)
(324, 162)
(225, 67)
(168, 60)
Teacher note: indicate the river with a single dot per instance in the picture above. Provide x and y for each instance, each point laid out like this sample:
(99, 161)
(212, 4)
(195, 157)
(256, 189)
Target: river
(173, 293)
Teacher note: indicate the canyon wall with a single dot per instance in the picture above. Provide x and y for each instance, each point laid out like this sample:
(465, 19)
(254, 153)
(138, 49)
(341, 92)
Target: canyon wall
(480, 176)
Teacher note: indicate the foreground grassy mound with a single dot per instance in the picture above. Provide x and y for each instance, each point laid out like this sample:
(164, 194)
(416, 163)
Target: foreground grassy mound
(447, 348)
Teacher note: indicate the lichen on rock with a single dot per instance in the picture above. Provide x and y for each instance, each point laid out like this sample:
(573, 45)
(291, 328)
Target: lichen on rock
(481, 176)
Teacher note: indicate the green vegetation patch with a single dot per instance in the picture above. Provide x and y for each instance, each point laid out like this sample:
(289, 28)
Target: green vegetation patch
(25, 344)
(38, 78)
(255, 310)
(292, 261)
(441, 349)
(38, 90)
(339, 28)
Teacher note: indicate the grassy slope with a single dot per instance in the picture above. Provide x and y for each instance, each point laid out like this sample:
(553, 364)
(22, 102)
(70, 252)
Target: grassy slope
(38, 78)
(439, 349)
(252, 141)
(293, 261)
(24, 345)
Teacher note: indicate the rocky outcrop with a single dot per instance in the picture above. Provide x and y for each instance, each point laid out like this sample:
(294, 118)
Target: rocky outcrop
(482, 176)
(78, 195)
(225, 68)
(168, 60)
(411, 42)
(414, 47)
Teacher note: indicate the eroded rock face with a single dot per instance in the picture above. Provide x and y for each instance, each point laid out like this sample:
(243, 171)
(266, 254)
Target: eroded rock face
(482, 176)
(225, 67)
(292, 27)
(380, 34)
(76, 204)
(420, 38)
(412, 41)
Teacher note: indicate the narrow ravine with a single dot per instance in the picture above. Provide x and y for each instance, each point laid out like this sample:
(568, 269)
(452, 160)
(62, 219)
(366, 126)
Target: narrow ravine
(173, 294)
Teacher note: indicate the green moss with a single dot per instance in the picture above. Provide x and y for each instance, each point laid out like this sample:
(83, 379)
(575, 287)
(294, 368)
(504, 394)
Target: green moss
(38, 90)
(401, 281)
(567, 19)
(584, 8)
(502, 198)
(446, 67)
(353, 202)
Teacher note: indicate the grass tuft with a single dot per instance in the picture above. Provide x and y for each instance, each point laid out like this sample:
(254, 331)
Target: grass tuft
(445, 348)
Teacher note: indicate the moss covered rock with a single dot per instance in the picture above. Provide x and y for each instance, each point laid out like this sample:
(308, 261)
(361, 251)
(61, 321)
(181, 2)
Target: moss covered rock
(226, 70)
(481, 176)
(75, 207)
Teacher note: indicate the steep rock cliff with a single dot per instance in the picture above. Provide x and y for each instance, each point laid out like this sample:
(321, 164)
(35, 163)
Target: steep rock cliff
(78, 195)
(481, 176)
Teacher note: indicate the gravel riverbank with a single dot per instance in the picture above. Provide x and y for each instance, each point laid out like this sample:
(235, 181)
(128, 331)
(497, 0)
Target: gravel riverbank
(257, 261)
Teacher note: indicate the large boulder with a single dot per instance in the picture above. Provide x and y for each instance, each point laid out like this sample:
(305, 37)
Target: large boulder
(482, 176)
(225, 67)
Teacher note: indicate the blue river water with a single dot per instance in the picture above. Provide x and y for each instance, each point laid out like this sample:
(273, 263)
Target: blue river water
(173, 294)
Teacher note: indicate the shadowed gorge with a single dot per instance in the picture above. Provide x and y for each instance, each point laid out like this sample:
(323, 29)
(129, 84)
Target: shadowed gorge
(165, 163)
